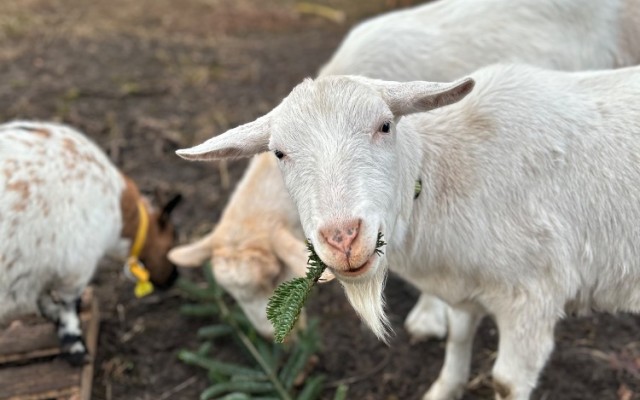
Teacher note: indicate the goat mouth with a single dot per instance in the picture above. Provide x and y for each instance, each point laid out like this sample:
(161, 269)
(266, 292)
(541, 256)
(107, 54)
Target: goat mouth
(361, 270)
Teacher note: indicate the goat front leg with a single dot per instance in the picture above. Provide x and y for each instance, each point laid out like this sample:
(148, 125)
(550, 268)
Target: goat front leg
(427, 319)
(526, 341)
(64, 313)
(450, 385)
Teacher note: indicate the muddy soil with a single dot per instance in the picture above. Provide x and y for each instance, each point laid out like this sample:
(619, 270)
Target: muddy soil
(145, 77)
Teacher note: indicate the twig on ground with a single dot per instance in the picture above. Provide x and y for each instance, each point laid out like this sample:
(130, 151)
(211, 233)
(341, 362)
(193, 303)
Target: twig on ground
(332, 14)
(353, 379)
(167, 395)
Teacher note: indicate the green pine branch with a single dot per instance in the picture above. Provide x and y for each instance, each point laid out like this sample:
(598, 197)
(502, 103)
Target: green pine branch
(274, 368)
(284, 307)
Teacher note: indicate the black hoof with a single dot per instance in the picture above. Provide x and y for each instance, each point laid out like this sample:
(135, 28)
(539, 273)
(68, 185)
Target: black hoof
(77, 359)
(74, 351)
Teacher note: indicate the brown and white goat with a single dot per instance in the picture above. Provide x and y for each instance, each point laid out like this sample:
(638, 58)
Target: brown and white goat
(63, 206)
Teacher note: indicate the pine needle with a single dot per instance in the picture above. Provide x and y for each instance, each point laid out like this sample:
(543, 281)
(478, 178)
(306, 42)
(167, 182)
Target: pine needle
(284, 307)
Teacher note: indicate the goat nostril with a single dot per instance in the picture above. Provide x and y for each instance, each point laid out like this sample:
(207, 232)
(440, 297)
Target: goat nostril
(341, 236)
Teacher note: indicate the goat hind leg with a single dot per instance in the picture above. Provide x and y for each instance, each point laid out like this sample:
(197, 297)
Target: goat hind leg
(64, 313)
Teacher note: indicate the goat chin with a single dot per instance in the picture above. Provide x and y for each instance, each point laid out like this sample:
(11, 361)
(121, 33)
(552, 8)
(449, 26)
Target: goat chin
(366, 298)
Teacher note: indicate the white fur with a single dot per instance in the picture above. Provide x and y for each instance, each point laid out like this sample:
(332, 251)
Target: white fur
(62, 215)
(529, 202)
(447, 39)
(437, 42)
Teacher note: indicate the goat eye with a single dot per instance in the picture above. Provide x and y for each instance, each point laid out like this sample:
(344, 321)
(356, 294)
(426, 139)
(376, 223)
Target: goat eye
(279, 154)
(386, 127)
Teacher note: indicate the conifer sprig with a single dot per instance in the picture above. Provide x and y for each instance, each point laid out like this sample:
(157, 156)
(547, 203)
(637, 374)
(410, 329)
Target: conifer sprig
(284, 307)
(272, 371)
(379, 244)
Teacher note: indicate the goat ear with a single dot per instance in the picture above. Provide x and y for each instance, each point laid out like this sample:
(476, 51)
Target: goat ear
(193, 254)
(411, 97)
(171, 205)
(243, 141)
(168, 208)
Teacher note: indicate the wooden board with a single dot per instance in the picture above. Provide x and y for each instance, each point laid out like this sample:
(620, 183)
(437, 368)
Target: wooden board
(29, 369)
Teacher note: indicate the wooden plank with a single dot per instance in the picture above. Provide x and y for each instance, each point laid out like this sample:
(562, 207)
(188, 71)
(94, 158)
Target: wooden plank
(91, 338)
(37, 338)
(27, 339)
(62, 394)
(39, 380)
(45, 378)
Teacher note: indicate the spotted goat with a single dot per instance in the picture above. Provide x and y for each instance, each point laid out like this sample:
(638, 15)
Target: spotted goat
(63, 206)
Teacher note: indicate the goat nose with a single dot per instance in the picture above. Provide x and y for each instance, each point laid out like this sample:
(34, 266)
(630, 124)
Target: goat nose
(341, 236)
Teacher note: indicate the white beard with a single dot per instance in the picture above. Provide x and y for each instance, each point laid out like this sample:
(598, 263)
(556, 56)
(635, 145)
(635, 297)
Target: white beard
(366, 297)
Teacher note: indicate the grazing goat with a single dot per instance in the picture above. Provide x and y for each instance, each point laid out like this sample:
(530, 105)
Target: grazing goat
(254, 237)
(528, 209)
(436, 42)
(63, 206)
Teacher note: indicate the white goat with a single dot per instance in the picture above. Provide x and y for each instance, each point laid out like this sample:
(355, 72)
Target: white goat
(437, 42)
(529, 205)
(63, 205)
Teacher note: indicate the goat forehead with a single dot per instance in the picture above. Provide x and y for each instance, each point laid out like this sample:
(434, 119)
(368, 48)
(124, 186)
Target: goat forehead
(328, 108)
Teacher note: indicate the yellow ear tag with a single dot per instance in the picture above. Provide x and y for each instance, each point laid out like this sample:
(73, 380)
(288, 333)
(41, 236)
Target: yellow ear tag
(142, 289)
(143, 286)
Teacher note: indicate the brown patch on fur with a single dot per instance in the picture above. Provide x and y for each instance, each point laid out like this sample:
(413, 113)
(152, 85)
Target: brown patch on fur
(10, 168)
(75, 156)
(89, 158)
(159, 240)
(503, 390)
(23, 190)
(26, 143)
(43, 133)
(70, 146)
(19, 206)
(129, 207)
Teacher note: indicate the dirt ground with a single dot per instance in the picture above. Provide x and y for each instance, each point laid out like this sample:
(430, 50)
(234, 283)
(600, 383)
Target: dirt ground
(145, 77)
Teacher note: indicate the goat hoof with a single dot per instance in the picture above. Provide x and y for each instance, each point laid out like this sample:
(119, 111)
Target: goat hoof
(444, 391)
(76, 359)
(74, 351)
